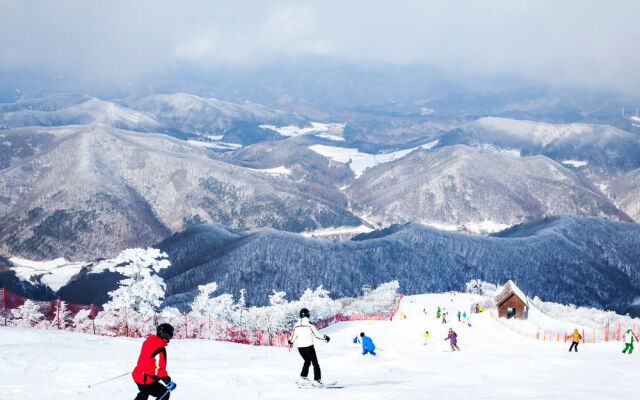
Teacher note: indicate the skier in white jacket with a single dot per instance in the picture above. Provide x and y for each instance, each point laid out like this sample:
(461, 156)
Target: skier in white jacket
(302, 335)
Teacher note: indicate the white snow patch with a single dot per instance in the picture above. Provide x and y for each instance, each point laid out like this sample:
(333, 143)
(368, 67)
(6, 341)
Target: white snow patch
(215, 145)
(635, 118)
(331, 131)
(359, 162)
(575, 163)
(278, 171)
(507, 152)
(479, 227)
(342, 230)
(55, 273)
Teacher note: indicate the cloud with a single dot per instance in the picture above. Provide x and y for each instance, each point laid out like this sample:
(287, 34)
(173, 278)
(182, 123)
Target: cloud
(578, 42)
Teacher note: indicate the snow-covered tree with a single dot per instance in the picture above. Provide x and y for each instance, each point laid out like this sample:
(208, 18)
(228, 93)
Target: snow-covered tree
(142, 290)
(82, 321)
(477, 286)
(28, 314)
(277, 298)
(380, 300)
(62, 317)
(201, 303)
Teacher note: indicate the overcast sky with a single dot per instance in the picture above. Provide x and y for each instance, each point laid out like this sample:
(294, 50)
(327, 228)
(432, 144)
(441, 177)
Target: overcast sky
(578, 42)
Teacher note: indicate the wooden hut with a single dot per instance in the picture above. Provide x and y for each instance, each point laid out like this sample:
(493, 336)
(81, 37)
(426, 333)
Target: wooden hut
(512, 302)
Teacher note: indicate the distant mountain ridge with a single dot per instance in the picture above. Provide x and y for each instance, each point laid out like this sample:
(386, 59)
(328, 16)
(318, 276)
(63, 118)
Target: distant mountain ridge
(567, 259)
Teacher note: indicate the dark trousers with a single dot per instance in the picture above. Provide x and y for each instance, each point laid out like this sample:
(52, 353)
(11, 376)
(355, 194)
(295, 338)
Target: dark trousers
(309, 356)
(155, 389)
(574, 344)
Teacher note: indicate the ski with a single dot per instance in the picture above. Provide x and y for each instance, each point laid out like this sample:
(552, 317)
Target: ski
(330, 385)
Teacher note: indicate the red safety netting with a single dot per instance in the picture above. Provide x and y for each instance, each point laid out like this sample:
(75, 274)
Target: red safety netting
(19, 311)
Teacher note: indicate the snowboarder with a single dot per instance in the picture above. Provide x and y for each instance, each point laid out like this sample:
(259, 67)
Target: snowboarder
(445, 314)
(453, 340)
(302, 335)
(464, 317)
(426, 337)
(459, 314)
(438, 313)
(367, 345)
(477, 308)
(628, 341)
(576, 339)
(151, 366)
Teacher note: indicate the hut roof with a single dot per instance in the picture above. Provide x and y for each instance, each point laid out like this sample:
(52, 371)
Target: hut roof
(508, 289)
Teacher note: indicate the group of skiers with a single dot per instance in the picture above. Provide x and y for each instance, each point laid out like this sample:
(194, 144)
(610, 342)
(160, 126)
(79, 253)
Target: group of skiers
(150, 369)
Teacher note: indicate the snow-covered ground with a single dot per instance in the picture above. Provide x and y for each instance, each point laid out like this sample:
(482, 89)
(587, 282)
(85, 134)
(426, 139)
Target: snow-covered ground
(495, 363)
(54, 273)
(359, 161)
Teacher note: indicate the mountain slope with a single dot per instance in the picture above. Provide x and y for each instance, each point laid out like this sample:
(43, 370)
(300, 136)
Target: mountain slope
(84, 192)
(474, 189)
(585, 261)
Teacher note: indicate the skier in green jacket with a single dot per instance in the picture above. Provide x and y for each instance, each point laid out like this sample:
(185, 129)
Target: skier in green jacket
(628, 341)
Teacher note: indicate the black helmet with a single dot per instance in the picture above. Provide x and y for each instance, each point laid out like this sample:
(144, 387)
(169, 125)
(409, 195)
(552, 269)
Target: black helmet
(165, 331)
(361, 334)
(304, 313)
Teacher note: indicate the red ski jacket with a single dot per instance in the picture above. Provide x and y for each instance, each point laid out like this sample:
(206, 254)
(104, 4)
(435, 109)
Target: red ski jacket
(152, 362)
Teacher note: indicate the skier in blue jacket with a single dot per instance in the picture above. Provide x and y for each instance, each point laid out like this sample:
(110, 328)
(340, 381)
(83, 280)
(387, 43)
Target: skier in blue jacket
(367, 345)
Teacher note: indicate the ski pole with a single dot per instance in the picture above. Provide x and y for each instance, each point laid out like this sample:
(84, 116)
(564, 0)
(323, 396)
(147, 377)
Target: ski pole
(108, 380)
(165, 393)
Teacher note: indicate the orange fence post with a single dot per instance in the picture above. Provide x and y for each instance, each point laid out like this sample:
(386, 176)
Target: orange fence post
(558, 338)
(565, 338)
(93, 320)
(583, 340)
(618, 333)
(58, 312)
(538, 335)
(606, 334)
(594, 336)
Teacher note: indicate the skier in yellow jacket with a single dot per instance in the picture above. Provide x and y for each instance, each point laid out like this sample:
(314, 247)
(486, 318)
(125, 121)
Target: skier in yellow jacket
(576, 339)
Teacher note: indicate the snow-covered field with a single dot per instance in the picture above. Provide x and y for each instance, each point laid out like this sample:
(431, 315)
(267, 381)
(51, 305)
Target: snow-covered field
(495, 363)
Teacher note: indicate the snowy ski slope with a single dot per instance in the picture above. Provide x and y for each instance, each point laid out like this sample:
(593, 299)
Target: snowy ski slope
(494, 363)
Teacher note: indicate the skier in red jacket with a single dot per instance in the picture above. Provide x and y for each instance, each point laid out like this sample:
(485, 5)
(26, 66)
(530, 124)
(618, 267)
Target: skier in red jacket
(152, 363)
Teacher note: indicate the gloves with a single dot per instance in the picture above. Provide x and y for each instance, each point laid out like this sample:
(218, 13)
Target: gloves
(290, 342)
(171, 386)
(166, 380)
(327, 338)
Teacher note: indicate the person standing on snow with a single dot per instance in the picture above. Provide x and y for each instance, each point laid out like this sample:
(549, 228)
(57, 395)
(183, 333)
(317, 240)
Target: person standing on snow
(426, 337)
(302, 335)
(367, 345)
(628, 341)
(576, 340)
(152, 364)
(459, 316)
(438, 313)
(452, 337)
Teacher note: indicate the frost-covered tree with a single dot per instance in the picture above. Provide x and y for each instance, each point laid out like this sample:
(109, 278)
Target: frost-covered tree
(142, 290)
(477, 286)
(62, 317)
(201, 303)
(82, 321)
(380, 300)
(28, 314)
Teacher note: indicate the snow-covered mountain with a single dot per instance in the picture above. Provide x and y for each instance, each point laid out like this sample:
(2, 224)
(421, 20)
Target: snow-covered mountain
(91, 191)
(568, 259)
(585, 261)
(460, 187)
